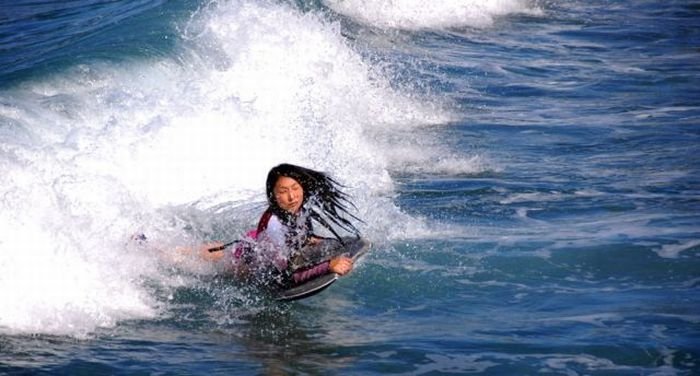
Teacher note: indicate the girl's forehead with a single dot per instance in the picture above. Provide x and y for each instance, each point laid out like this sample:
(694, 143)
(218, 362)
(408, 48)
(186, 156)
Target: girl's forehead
(285, 182)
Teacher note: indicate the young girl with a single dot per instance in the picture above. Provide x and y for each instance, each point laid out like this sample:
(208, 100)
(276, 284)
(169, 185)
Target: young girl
(284, 251)
(286, 244)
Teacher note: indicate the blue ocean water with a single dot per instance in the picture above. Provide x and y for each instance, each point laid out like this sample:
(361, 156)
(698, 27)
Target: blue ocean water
(528, 171)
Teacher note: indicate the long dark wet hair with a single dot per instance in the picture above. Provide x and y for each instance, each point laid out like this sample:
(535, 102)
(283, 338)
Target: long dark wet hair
(329, 205)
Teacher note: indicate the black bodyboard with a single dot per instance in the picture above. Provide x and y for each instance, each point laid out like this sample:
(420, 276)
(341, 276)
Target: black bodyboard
(353, 249)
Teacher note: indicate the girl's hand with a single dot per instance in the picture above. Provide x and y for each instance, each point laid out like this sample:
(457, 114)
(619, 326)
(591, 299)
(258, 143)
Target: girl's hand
(341, 265)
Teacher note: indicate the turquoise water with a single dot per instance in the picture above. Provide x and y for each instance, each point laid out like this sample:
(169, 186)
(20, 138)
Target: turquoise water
(528, 172)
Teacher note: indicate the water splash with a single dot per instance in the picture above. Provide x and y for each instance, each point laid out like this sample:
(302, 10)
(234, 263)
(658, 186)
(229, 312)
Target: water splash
(101, 150)
(422, 14)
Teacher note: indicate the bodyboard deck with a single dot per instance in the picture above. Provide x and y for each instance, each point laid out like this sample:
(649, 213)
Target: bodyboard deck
(355, 249)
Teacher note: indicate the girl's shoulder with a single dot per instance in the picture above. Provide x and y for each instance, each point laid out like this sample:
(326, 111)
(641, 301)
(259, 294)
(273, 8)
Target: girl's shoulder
(274, 223)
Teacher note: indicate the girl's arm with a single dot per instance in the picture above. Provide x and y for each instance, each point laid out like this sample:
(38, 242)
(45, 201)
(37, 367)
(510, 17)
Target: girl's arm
(340, 265)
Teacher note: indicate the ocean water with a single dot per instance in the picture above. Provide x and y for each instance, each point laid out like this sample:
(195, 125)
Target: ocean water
(528, 171)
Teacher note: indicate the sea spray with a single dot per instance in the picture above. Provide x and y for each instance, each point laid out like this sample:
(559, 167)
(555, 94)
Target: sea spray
(425, 14)
(100, 151)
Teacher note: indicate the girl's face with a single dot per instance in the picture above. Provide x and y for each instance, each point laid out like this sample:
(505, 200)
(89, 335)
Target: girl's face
(289, 194)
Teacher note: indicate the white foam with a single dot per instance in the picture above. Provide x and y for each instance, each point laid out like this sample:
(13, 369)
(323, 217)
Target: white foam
(100, 151)
(435, 160)
(426, 14)
(50, 286)
(674, 250)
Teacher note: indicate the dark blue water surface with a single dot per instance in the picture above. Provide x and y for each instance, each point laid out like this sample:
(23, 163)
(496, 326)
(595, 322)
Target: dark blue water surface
(528, 171)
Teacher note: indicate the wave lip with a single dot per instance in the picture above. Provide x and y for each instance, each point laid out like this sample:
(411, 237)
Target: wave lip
(425, 14)
(103, 149)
